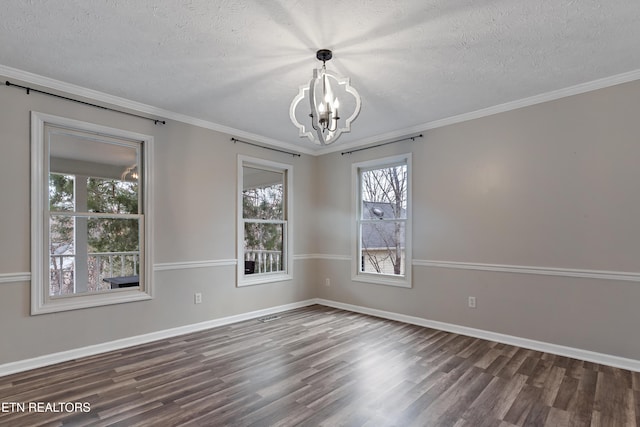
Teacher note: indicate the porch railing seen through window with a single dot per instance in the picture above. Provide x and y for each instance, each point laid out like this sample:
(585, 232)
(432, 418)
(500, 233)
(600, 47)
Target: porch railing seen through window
(100, 265)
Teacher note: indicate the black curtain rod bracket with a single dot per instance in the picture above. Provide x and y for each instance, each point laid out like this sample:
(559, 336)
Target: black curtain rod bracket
(413, 138)
(234, 140)
(30, 89)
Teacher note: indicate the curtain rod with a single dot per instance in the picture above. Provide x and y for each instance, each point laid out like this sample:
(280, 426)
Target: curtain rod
(30, 89)
(413, 138)
(234, 140)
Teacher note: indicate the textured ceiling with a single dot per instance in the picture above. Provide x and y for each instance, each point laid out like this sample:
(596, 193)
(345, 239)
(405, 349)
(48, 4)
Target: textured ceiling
(239, 63)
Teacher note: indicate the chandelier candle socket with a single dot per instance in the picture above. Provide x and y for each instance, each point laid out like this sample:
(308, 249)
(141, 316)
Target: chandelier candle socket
(324, 125)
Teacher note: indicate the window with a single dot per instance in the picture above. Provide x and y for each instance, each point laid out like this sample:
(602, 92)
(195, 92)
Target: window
(382, 240)
(264, 212)
(90, 222)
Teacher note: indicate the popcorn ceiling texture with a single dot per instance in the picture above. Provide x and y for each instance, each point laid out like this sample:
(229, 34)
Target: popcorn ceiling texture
(239, 63)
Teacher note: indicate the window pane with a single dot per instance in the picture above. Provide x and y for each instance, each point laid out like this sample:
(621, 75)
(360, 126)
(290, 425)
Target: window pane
(90, 175)
(61, 255)
(112, 196)
(382, 247)
(61, 192)
(384, 192)
(263, 247)
(86, 251)
(113, 234)
(262, 194)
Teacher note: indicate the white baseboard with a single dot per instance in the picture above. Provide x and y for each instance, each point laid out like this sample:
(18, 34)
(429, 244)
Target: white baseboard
(576, 353)
(50, 359)
(65, 356)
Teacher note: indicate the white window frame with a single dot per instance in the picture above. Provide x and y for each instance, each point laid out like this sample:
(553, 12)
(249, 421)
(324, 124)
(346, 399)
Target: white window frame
(41, 303)
(260, 278)
(356, 197)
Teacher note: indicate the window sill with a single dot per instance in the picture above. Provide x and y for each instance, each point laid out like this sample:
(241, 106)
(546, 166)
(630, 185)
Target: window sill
(263, 278)
(382, 279)
(87, 301)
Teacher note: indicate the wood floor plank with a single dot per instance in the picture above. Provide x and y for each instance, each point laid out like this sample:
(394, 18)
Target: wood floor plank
(636, 395)
(494, 401)
(566, 393)
(581, 413)
(523, 404)
(557, 418)
(318, 366)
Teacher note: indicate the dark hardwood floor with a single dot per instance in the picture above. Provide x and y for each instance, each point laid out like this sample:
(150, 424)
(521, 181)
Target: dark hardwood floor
(323, 366)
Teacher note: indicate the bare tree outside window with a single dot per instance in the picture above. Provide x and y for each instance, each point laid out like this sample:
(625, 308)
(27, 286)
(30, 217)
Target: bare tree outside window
(382, 221)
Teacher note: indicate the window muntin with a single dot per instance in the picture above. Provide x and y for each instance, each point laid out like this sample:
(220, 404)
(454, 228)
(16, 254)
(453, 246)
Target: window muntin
(89, 225)
(382, 240)
(264, 241)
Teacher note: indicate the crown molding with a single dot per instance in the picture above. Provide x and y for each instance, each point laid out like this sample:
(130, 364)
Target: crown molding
(484, 112)
(489, 111)
(69, 88)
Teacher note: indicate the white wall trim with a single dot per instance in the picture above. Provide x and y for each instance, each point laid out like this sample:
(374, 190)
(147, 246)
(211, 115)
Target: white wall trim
(287, 221)
(357, 168)
(524, 269)
(300, 148)
(323, 256)
(627, 276)
(50, 359)
(184, 265)
(576, 353)
(489, 111)
(41, 302)
(15, 277)
(83, 92)
(64, 356)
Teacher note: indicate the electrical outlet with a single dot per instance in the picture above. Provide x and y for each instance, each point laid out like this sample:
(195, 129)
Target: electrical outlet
(197, 298)
(327, 282)
(472, 302)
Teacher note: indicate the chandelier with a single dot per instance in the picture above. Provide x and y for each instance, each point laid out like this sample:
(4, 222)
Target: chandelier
(324, 124)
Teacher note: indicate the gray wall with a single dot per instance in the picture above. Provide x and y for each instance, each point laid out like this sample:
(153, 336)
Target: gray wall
(195, 208)
(552, 185)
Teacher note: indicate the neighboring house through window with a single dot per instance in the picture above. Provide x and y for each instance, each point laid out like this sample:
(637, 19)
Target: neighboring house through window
(382, 248)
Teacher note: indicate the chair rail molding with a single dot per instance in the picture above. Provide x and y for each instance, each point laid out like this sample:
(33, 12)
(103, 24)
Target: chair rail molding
(628, 276)
(15, 277)
(322, 256)
(184, 265)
